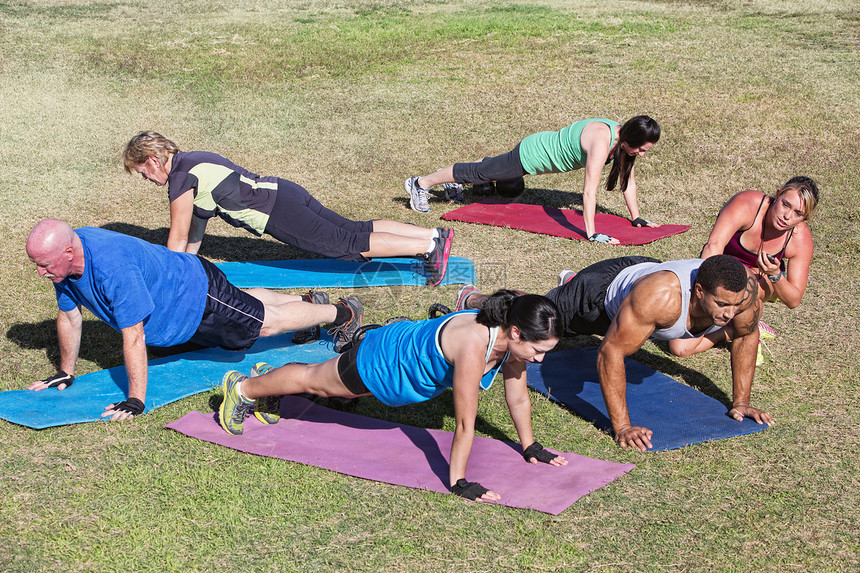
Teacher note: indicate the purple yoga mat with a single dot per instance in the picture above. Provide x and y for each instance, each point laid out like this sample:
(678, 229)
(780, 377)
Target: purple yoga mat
(405, 455)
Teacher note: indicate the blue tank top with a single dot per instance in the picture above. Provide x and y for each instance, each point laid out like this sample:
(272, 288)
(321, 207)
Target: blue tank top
(402, 363)
(685, 270)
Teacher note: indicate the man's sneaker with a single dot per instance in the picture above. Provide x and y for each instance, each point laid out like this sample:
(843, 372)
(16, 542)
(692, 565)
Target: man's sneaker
(765, 332)
(419, 197)
(268, 408)
(344, 332)
(437, 259)
(565, 276)
(464, 293)
(311, 333)
(235, 407)
(453, 192)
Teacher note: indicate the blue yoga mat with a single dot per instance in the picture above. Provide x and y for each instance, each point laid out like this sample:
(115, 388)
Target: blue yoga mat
(677, 414)
(170, 379)
(332, 273)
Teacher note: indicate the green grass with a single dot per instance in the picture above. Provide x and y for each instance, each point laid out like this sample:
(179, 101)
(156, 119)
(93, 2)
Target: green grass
(348, 98)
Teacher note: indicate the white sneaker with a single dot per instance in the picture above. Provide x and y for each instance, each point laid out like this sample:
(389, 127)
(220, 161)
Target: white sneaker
(565, 276)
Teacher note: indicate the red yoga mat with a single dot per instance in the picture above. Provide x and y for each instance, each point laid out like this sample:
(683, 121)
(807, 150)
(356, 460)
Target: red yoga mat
(566, 223)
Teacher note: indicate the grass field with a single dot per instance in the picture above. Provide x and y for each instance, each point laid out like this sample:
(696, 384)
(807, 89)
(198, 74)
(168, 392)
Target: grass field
(348, 98)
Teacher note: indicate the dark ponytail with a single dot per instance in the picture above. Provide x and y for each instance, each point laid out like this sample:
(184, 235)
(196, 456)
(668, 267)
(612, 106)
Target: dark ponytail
(636, 132)
(536, 317)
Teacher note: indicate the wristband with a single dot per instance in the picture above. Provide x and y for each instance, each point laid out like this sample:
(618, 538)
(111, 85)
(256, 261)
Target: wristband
(775, 278)
(537, 452)
(59, 378)
(470, 490)
(131, 406)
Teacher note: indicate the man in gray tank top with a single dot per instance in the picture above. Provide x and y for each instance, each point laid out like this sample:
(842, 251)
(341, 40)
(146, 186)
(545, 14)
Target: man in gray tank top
(631, 299)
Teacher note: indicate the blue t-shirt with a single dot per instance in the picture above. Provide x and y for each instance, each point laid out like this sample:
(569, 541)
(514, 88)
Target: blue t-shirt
(127, 280)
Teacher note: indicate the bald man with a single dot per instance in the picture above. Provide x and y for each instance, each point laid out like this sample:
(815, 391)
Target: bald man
(158, 297)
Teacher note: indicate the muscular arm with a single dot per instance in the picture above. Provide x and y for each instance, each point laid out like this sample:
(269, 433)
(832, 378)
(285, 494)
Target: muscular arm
(654, 302)
(743, 354)
(181, 216)
(136, 367)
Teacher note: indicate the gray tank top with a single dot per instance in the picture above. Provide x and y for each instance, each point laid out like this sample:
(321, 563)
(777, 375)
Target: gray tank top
(685, 270)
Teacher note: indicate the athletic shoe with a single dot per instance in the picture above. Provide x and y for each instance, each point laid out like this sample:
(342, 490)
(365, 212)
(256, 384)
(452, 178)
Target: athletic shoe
(765, 332)
(436, 262)
(759, 357)
(464, 293)
(453, 192)
(235, 407)
(419, 197)
(565, 276)
(347, 330)
(311, 333)
(268, 408)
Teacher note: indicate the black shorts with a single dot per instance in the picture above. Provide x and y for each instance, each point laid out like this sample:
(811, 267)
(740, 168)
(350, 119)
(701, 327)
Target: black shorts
(232, 318)
(499, 168)
(582, 299)
(300, 220)
(347, 369)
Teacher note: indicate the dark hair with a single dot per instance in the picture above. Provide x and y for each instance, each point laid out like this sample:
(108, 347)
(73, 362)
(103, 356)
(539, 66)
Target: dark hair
(636, 132)
(722, 271)
(808, 191)
(535, 316)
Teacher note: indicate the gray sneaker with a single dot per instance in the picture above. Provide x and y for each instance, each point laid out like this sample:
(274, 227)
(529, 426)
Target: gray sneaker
(419, 197)
(453, 192)
(344, 332)
(311, 333)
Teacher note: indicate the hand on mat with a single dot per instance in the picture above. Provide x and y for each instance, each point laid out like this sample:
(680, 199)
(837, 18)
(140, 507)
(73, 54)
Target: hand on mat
(60, 381)
(602, 238)
(124, 410)
(760, 416)
(640, 222)
(535, 453)
(634, 437)
(472, 490)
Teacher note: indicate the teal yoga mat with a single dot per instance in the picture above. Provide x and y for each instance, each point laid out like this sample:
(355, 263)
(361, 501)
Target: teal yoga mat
(170, 379)
(332, 273)
(677, 414)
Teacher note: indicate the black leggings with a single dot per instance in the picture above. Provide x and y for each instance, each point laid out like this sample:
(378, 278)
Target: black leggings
(499, 168)
(300, 220)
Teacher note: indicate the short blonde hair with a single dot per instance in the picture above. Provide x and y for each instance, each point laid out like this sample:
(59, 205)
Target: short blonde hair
(144, 145)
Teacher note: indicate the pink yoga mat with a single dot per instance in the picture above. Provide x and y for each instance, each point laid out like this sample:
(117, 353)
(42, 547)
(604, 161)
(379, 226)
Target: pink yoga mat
(566, 223)
(405, 455)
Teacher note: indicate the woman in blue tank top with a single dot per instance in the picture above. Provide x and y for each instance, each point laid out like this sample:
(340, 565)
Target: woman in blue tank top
(409, 362)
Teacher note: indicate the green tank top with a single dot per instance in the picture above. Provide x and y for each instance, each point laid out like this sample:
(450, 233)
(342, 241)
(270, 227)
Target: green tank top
(558, 151)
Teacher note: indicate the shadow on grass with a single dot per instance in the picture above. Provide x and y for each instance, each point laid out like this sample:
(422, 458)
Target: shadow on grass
(100, 343)
(222, 248)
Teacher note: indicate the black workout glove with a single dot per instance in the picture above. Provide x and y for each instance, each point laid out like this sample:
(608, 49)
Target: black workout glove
(471, 490)
(59, 378)
(640, 222)
(131, 406)
(537, 452)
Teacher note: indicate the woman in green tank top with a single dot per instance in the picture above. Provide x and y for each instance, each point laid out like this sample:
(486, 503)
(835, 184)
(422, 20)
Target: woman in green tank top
(589, 144)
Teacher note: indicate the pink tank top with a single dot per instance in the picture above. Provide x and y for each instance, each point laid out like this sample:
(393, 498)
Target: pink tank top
(748, 258)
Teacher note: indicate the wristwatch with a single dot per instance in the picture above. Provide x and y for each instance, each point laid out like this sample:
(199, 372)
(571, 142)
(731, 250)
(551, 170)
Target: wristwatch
(775, 278)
